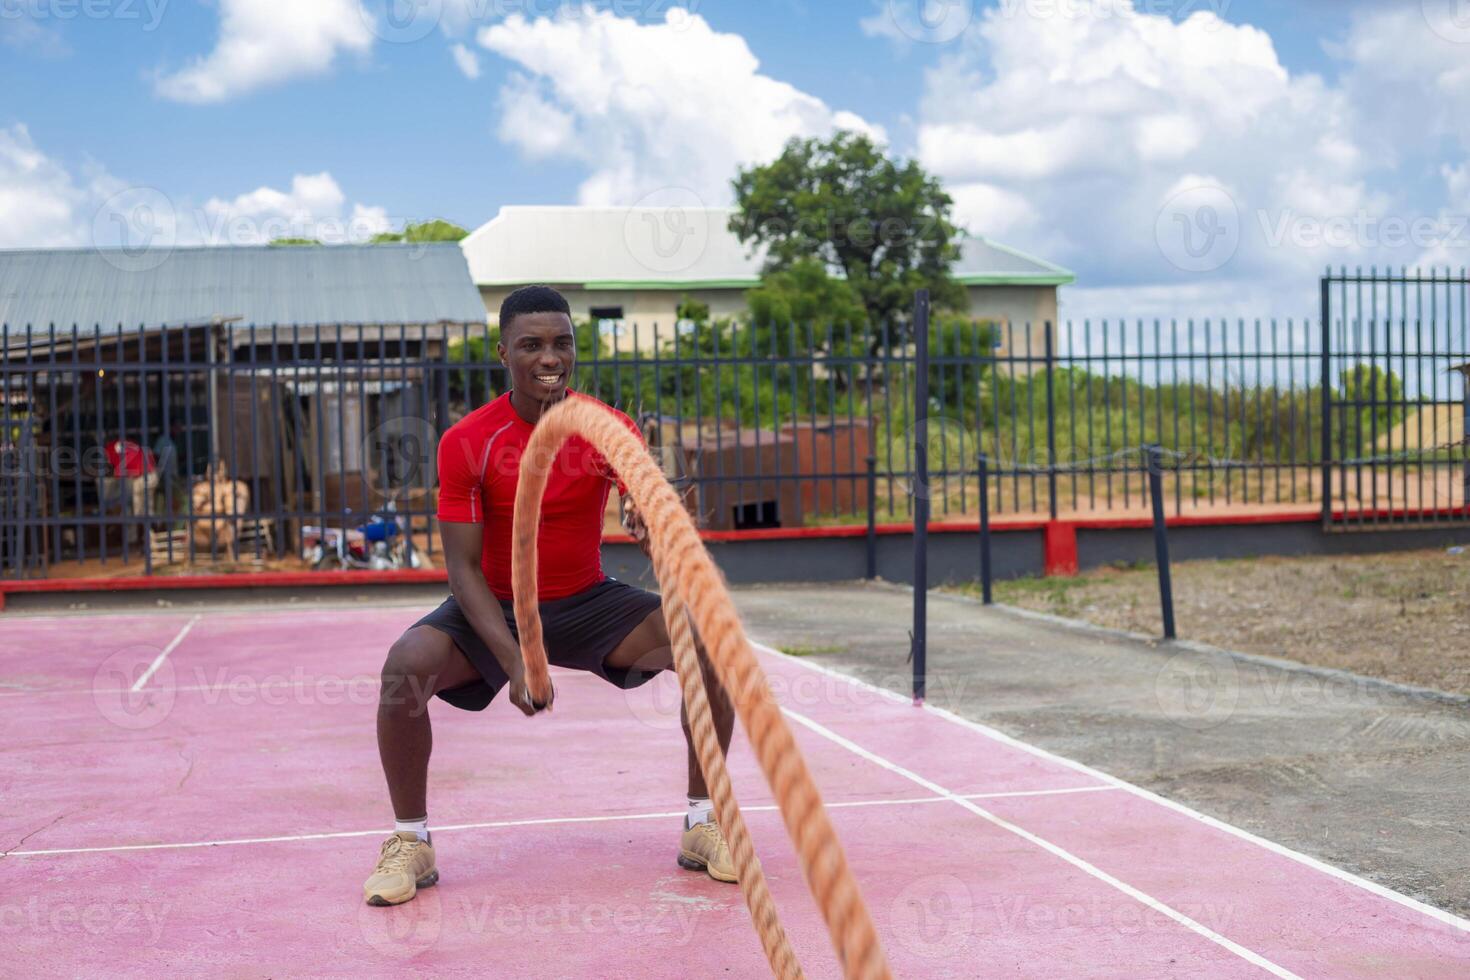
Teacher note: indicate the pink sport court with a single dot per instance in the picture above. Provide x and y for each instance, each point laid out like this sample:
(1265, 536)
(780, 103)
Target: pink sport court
(197, 792)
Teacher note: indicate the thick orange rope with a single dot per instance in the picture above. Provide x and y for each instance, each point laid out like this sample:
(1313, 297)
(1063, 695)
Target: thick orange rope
(727, 811)
(689, 580)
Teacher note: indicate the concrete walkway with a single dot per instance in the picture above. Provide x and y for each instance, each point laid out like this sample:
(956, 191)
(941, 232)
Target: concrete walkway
(1372, 780)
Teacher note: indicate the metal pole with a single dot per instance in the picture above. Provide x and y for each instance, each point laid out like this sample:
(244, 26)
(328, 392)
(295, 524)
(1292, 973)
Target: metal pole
(1161, 538)
(872, 517)
(1325, 300)
(1051, 424)
(212, 358)
(985, 576)
(921, 488)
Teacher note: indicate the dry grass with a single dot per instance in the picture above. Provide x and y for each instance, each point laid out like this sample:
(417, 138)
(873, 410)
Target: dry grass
(1403, 616)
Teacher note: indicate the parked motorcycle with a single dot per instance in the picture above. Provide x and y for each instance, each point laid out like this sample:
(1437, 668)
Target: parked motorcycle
(378, 544)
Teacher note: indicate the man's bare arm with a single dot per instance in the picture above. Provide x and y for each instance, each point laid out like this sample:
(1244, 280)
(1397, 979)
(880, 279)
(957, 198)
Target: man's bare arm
(462, 545)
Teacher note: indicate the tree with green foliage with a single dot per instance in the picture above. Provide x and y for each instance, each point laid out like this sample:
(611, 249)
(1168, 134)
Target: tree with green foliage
(436, 230)
(841, 205)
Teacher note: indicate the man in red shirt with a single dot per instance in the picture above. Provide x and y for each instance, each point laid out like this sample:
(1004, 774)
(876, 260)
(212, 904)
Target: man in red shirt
(466, 650)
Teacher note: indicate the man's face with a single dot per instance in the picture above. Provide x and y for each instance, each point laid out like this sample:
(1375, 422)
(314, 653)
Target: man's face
(540, 352)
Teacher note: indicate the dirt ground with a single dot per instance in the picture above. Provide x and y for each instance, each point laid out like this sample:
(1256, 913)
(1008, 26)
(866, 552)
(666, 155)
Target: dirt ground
(1403, 617)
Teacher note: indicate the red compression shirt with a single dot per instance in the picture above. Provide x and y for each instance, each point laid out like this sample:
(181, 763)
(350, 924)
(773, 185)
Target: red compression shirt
(479, 468)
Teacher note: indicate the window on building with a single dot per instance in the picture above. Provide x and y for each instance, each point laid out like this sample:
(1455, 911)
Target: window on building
(760, 514)
(609, 320)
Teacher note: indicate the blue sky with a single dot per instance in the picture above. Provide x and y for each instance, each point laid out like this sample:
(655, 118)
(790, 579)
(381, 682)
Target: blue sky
(1069, 128)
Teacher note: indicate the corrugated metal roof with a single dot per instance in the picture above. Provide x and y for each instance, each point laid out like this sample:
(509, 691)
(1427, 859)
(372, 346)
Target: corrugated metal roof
(670, 248)
(350, 284)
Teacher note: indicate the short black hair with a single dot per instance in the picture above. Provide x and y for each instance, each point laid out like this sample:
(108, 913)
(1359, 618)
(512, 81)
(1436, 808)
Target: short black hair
(531, 299)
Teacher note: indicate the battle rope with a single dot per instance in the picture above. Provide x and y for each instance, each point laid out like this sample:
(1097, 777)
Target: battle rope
(691, 583)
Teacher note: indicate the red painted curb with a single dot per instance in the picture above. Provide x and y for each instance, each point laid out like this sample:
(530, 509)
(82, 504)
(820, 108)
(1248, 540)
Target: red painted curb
(1059, 548)
(241, 580)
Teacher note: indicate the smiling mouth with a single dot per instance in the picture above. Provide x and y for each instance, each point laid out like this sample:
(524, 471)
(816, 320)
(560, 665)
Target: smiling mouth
(550, 380)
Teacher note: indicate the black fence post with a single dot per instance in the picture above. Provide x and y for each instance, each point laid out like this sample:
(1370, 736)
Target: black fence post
(872, 568)
(1161, 538)
(1325, 311)
(921, 488)
(1051, 424)
(985, 577)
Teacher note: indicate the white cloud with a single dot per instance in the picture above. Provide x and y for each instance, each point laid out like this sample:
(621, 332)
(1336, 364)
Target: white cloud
(997, 210)
(1457, 183)
(1182, 157)
(467, 61)
(21, 30)
(647, 106)
(314, 207)
(266, 42)
(43, 204)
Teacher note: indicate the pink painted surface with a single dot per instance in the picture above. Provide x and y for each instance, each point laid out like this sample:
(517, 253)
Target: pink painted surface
(259, 725)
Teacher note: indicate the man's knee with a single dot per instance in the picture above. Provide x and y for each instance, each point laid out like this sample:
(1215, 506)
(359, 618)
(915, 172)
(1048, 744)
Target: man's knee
(413, 669)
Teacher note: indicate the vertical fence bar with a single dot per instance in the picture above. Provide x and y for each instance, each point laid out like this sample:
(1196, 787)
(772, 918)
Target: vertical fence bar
(144, 449)
(1161, 538)
(1051, 421)
(984, 502)
(52, 470)
(125, 481)
(1325, 300)
(921, 489)
(872, 538)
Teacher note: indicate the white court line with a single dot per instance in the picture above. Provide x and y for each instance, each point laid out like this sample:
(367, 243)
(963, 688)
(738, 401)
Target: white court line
(1250, 956)
(158, 660)
(1449, 918)
(536, 822)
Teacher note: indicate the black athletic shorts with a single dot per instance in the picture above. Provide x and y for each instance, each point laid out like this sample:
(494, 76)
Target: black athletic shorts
(580, 631)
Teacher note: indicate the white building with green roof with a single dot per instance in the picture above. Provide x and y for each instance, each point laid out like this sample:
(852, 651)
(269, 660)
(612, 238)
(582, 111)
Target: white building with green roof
(632, 266)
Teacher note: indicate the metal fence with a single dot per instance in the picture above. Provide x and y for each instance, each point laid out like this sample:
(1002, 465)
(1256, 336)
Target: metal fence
(1398, 345)
(175, 448)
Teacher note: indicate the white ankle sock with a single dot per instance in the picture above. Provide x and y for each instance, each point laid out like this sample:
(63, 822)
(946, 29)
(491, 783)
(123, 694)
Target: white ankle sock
(420, 827)
(701, 810)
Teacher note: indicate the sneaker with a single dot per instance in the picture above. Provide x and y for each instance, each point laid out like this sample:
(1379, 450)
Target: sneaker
(405, 865)
(703, 848)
